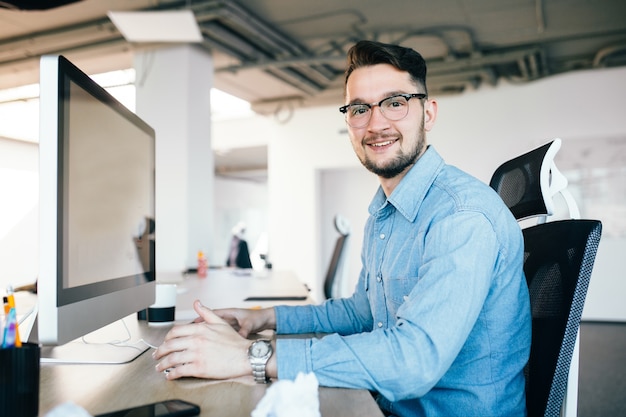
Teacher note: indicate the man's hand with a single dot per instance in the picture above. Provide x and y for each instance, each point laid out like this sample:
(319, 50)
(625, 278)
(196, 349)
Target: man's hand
(249, 321)
(210, 348)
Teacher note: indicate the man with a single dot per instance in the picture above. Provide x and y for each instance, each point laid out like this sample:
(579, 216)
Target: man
(238, 253)
(439, 323)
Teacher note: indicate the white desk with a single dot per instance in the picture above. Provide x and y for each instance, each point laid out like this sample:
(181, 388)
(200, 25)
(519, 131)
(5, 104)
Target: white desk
(103, 388)
(223, 288)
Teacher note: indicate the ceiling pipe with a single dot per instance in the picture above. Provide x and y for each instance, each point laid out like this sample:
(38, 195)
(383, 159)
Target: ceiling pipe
(282, 63)
(540, 16)
(523, 69)
(245, 22)
(230, 41)
(268, 44)
(533, 67)
(602, 55)
(295, 79)
(441, 32)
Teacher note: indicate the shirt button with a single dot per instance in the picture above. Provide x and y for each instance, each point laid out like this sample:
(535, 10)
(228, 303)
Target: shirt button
(406, 297)
(382, 235)
(379, 278)
(380, 324)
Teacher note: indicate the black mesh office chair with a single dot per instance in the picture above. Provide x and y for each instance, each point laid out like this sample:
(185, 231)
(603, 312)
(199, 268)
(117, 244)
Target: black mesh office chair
(559, 257)
(528, 183)
(337, 259)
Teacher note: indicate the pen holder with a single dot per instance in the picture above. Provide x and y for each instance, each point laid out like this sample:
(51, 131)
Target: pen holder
(19, 381)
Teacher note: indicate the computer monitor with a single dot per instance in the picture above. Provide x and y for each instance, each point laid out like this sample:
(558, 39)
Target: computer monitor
(97, 209)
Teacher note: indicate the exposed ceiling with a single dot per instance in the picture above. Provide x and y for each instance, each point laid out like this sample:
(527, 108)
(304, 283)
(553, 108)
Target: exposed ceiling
(277, 53)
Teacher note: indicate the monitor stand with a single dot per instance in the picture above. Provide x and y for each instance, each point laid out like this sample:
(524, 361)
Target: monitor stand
(103, 346)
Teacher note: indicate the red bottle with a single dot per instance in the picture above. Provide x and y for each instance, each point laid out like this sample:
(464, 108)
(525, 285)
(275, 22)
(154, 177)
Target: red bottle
(202, 265)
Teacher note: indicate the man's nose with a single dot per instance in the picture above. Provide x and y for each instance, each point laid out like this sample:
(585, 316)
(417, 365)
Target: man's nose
(377, 118)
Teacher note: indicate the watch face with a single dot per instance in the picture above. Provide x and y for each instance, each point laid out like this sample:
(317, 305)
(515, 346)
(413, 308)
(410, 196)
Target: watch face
(259, 349)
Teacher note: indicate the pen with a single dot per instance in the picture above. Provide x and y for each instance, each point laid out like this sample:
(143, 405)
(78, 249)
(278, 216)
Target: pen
(2, 327)
(5, 304)
(11, 303)
(9, 331)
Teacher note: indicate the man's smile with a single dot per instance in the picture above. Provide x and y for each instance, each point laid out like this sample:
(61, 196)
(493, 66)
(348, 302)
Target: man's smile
(381, 144)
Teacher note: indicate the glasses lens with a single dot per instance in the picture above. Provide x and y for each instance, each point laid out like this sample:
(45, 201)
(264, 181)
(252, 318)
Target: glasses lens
(357, 115)
(395, 107)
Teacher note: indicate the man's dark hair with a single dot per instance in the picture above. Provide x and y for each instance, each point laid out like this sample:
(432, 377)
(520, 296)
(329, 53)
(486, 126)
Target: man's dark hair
(367, 53)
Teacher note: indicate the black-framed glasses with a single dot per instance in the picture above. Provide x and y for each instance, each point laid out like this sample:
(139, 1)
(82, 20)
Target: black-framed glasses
(394, 107)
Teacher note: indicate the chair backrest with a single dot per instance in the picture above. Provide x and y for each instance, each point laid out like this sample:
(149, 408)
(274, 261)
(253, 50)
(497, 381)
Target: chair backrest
(336, 261)
(528, 183)
(559, 258)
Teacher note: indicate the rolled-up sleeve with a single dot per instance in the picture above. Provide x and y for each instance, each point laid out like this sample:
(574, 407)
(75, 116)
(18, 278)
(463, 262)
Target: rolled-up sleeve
(429, 328)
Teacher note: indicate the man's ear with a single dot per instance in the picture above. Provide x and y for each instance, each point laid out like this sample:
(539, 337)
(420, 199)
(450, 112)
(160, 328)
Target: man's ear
(430, 114)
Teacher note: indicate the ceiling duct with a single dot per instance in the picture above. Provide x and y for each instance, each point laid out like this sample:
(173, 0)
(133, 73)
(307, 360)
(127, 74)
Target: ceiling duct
(312, 67)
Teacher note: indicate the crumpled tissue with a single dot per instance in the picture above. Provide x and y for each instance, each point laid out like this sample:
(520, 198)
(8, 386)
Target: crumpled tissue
(291, 398)
(68, 410)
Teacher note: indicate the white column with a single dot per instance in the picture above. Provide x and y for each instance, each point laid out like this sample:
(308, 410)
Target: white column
(173, 95)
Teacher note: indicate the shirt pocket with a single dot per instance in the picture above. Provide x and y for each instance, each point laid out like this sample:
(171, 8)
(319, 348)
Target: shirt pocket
(397, 291)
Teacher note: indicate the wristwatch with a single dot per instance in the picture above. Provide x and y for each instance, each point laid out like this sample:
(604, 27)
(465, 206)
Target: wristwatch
(259, 352)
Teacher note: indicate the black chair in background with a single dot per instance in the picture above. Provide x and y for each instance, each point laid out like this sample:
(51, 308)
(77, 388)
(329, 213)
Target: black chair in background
(559, 258)
(337, 259)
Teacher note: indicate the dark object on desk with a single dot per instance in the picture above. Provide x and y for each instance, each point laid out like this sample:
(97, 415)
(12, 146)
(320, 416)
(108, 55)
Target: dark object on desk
(559, 258)
(194, 270)
(266, 261)
(161, 314)
(277, 298)
(19, 381)
(169, 408)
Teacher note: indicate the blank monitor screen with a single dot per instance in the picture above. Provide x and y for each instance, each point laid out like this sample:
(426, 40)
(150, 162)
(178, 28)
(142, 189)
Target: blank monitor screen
(97, 206)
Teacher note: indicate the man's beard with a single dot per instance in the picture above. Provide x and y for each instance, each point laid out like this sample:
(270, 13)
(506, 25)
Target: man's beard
(401, 161)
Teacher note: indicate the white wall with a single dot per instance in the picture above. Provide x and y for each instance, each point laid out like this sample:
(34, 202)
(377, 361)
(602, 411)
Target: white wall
(19, 214)
(475, 131)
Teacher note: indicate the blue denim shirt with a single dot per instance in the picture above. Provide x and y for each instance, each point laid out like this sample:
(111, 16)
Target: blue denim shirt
(439, 323)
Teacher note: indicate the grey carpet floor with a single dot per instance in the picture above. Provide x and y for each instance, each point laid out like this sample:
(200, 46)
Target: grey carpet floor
(602, 377)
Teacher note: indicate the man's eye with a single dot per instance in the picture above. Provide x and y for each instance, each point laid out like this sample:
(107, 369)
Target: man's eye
(396, 102)
(358, 110)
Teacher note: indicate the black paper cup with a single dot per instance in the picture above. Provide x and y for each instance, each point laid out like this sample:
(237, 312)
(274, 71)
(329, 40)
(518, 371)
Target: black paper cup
(19, 381)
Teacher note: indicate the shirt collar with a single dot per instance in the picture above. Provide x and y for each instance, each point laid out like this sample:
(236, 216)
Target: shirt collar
(407, 197)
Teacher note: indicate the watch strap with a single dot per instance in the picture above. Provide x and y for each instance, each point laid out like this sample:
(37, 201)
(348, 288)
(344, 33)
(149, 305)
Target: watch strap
(258, 372)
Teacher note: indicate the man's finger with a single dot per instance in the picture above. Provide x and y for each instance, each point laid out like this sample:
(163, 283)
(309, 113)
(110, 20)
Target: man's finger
(207, 314)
